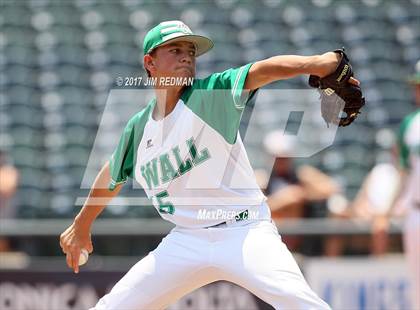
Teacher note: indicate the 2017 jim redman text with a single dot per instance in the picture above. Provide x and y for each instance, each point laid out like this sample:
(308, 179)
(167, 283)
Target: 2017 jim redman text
(131, 81)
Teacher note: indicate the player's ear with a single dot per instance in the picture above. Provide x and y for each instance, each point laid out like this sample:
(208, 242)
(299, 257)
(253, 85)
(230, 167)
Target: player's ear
(149, 62)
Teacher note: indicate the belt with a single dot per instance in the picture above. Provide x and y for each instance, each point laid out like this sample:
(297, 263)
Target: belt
(239, 217)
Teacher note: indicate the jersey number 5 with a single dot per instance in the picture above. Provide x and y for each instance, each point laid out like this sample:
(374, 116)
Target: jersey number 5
(164, 207)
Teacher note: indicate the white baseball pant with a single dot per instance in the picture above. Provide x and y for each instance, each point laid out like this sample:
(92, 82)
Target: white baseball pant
(249, 254)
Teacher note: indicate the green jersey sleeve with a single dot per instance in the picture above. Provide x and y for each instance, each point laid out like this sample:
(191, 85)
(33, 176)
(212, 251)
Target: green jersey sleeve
(220, 99)
(232, 80)
(403, 148)
(123, 160)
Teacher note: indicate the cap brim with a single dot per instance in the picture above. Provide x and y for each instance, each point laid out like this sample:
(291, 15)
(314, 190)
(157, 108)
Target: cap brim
(201, 43)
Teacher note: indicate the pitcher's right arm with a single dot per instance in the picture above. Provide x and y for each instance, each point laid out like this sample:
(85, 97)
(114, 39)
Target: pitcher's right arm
(77, 235)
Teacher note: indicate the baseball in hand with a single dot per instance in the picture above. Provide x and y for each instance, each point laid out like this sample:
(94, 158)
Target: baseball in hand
(84, 256)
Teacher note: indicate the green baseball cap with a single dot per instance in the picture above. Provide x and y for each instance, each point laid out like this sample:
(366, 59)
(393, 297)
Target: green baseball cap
(172, 31)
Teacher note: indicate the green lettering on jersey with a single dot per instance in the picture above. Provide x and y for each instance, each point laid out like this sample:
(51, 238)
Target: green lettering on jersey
(200, 157)
(183, 166)
(167, 170)
(150, 173)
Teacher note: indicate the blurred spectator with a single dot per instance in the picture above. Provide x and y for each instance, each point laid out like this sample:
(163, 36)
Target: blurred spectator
(409, 195)
(374, 200)
(295, 192)
(9, 178)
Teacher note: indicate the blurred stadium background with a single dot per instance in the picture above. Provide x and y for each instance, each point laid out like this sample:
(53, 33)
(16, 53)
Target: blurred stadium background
(59, 61)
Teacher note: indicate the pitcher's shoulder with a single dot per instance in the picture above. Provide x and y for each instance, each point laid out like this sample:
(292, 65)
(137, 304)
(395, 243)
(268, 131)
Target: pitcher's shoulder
(141, 117)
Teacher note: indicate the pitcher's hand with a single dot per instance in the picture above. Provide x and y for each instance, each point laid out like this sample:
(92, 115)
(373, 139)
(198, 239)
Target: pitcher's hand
(72, 241)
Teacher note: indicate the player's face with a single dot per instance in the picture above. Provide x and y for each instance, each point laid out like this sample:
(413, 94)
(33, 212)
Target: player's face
(417, 94)
(174, 60)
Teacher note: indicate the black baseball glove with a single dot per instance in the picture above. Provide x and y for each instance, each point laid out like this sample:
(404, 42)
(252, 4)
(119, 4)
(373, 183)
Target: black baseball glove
(337, 94)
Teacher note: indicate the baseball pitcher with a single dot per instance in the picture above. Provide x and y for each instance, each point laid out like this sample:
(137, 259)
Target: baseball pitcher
(185, 150)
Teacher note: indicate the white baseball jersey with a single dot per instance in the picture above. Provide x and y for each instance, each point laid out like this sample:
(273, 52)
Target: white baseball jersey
(192, 163)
